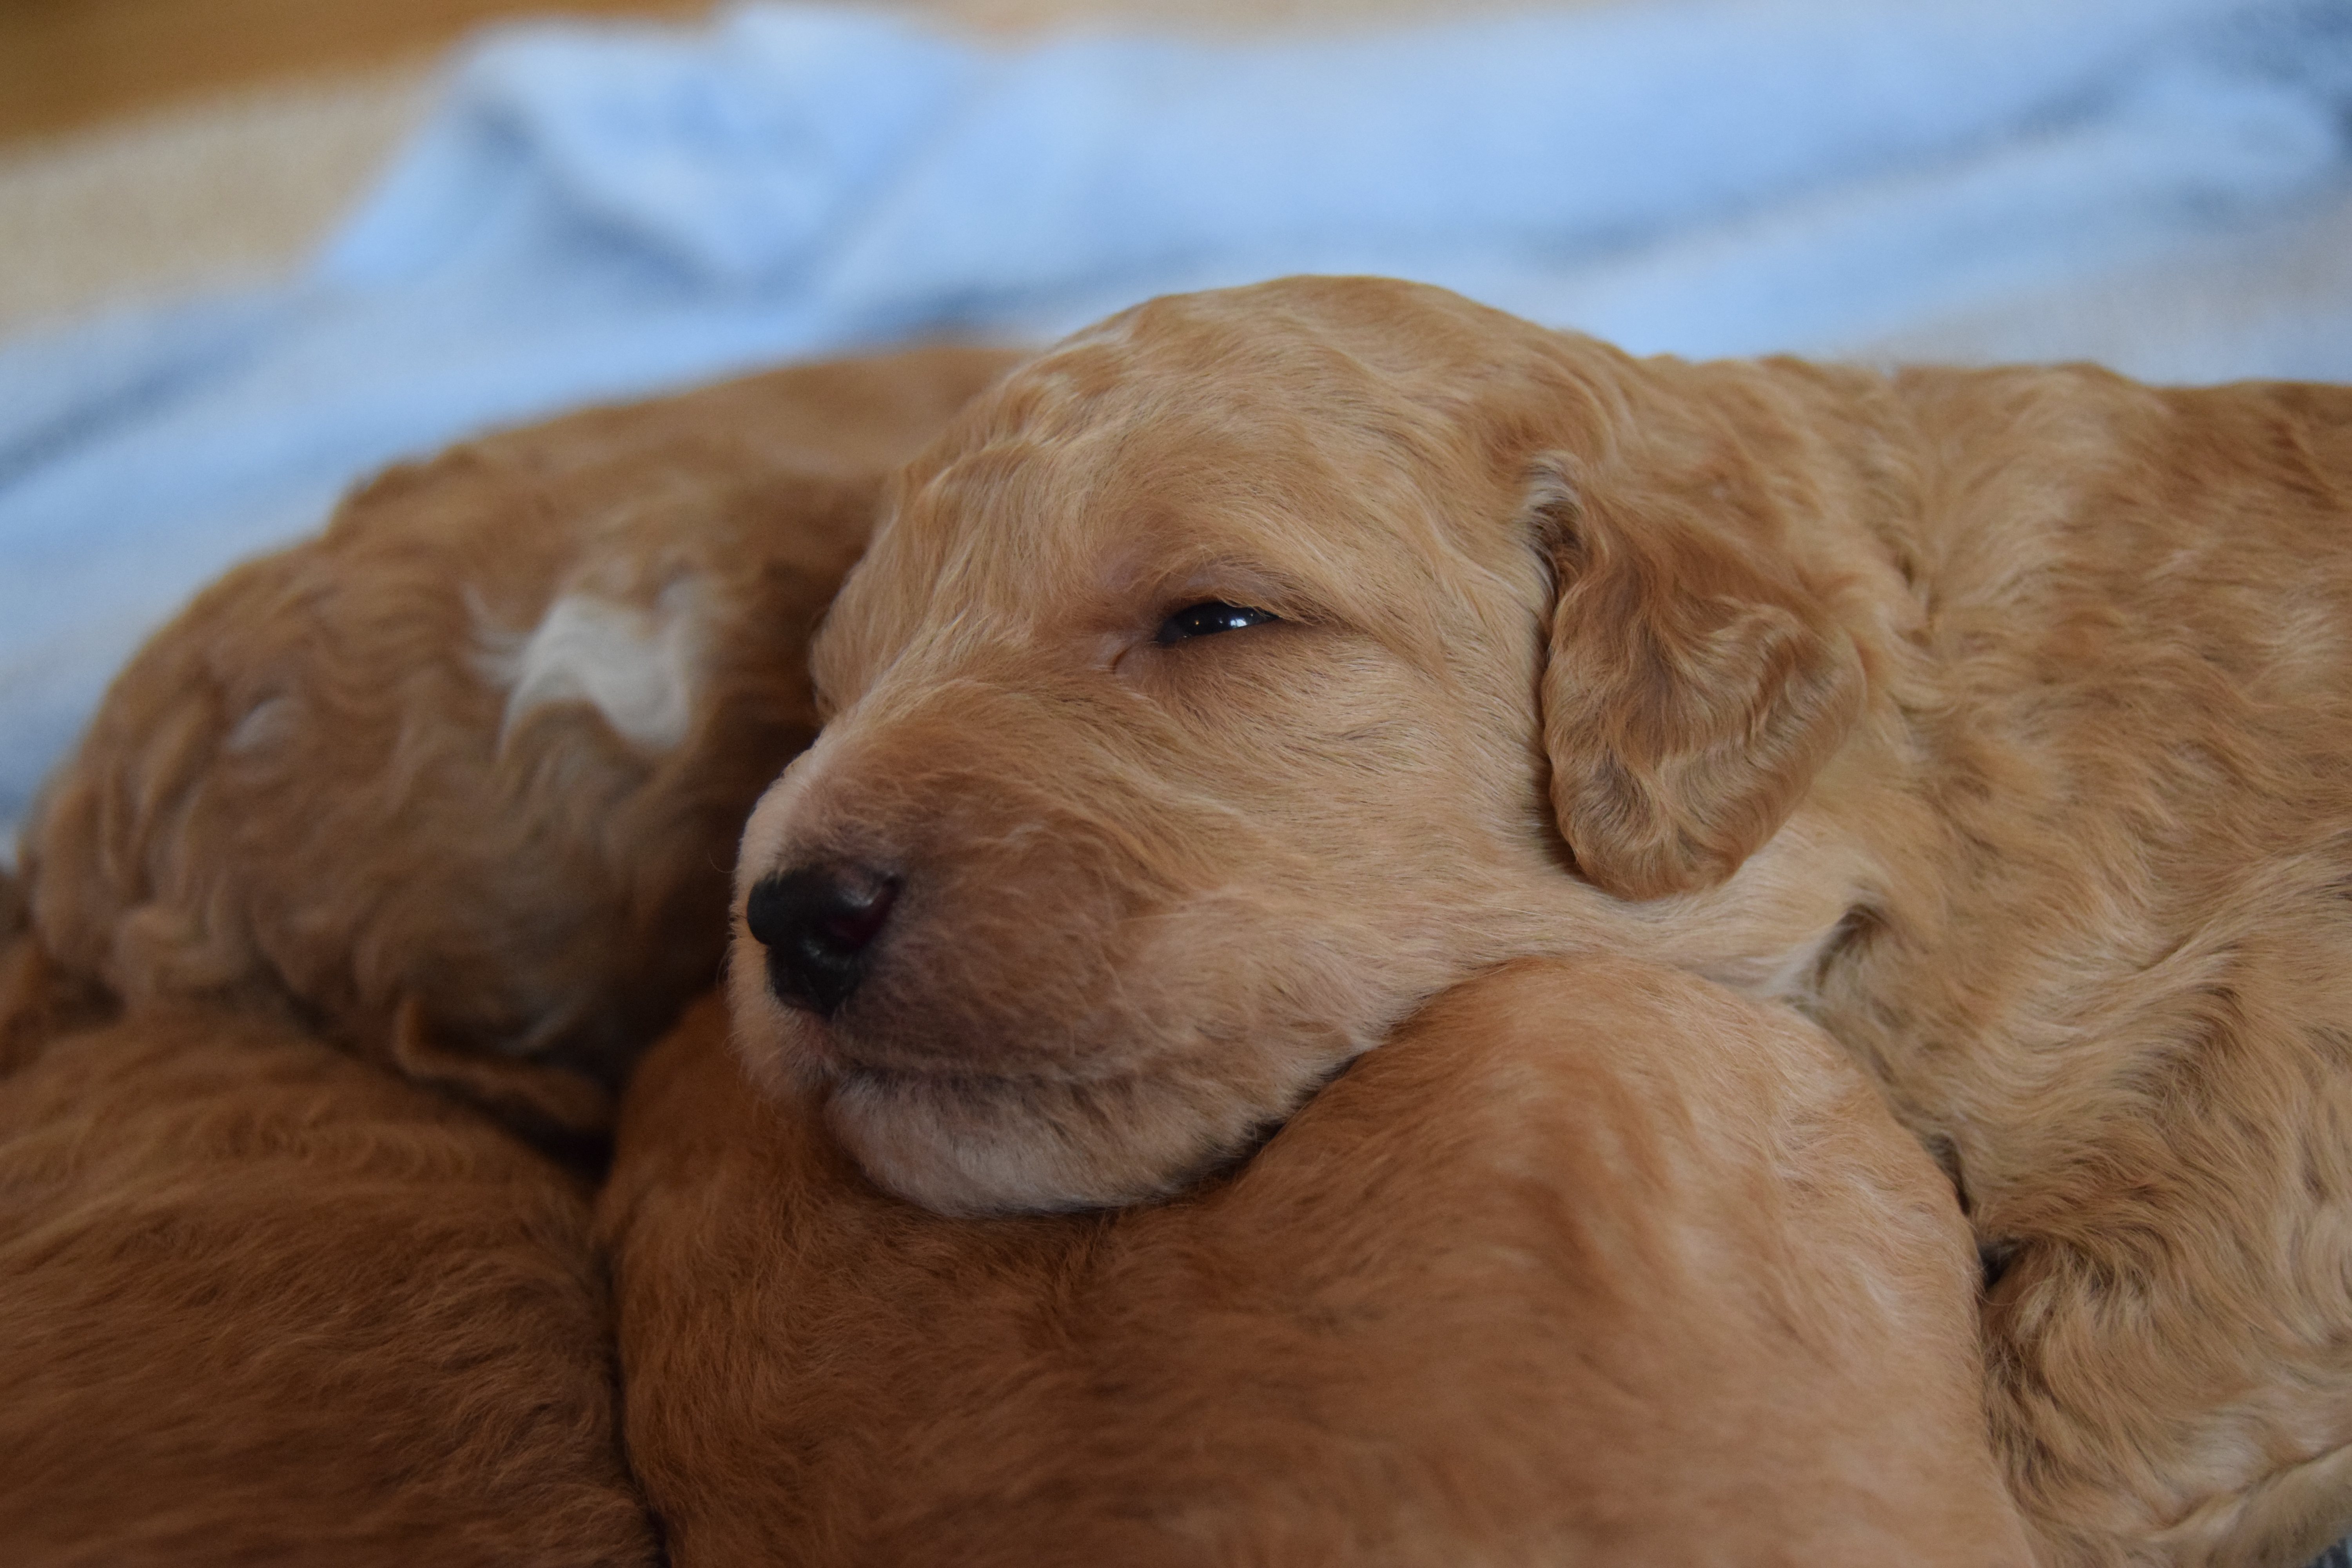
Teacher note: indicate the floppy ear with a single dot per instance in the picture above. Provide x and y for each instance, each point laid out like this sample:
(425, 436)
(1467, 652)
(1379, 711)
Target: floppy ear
(1694, 686)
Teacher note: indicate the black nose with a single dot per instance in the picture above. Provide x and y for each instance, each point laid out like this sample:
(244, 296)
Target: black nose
(818, 924)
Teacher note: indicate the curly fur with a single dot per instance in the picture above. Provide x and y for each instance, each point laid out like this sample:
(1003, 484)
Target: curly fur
(435, 809)
(408, 776)
(1995, 720)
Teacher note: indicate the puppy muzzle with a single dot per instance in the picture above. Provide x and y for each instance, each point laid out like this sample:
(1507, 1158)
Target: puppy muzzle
(820, 924)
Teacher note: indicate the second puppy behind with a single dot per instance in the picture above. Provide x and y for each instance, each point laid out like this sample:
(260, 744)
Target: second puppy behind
(459, 778)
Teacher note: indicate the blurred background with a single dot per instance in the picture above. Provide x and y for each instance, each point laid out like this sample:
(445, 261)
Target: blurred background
(148, 146)
(252, 250)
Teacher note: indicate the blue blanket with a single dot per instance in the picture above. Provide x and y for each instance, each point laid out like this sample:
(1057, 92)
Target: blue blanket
(599, 213)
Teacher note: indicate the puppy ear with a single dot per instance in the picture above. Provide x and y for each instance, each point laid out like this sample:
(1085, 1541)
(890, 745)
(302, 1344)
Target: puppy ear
(1692, 688)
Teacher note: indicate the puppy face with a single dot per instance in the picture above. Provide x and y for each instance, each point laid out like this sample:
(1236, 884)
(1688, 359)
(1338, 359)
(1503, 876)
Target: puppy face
(1186, 729)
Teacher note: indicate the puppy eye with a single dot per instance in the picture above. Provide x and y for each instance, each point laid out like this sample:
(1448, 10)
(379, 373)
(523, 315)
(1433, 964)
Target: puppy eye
(1208, 618)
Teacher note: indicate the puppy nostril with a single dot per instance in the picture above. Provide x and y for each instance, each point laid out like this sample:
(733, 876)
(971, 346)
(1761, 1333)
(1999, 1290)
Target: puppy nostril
(854, 923)
(818, 923)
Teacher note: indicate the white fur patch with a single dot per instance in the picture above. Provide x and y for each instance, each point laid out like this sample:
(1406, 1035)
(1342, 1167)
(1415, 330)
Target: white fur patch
(266, 723)
(638, 668)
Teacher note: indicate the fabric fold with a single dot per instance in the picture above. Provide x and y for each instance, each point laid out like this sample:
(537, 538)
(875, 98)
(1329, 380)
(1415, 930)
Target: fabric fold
(599, 212)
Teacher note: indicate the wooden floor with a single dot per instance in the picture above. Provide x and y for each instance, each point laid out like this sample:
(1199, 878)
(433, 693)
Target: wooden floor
(68, 64)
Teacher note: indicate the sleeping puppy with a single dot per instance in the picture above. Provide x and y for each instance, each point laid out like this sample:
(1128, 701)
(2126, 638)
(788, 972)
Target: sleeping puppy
(453, 787)
(260, 1302)
(1593, 1262)
(460, 778)
(1258, 664)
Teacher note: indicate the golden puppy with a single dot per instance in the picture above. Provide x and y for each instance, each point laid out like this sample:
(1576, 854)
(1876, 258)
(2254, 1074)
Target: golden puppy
(461, 777)
(1258, 664)
(454, 787)
(1592, 1263)
(260, 1302)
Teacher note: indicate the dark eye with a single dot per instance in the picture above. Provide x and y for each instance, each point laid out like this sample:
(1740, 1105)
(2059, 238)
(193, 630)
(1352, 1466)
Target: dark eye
(1208, 618)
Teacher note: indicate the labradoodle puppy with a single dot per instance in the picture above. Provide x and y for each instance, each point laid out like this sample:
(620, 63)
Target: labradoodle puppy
(1258, 664)
(461, 777)
(441, 801)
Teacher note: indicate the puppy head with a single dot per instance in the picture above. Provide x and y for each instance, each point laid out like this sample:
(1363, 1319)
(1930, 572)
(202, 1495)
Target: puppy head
(1203, 706)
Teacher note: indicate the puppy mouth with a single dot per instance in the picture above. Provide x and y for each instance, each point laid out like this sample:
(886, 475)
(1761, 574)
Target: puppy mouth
(998, 1039)
(961, 1086)
(829, 1053)
(962, 1141)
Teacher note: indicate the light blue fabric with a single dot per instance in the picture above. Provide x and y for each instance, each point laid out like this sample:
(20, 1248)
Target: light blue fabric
(597, 213)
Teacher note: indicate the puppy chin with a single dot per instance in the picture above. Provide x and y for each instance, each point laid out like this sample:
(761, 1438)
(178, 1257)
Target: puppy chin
(964, 1142)
(972, 1145)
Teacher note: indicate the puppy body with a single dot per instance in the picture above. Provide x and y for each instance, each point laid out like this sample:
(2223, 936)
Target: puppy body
(2102, 963)
(1995, 720)
(1593, 1263)
(460, 778)
(262, 1303)
(440, 801)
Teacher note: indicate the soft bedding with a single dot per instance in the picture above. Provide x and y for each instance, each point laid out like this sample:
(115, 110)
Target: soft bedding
(596, 213)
